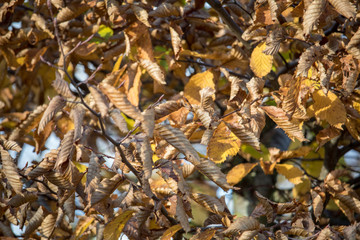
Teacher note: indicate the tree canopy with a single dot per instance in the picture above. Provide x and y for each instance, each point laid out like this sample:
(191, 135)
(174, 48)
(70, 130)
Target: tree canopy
(174, 119)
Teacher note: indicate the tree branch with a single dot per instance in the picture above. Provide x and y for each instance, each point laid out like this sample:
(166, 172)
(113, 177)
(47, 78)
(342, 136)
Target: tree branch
(217, 6)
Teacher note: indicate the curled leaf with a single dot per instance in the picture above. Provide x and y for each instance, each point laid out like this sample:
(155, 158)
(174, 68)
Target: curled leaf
(11, 172)
(212, 204)
(243, 224)
(154, 70)
(120, 100)
(105, 188)
(100, 101)
(166, 108)
(61, 86)
(312, 15)
(55, 105)
(178, 140)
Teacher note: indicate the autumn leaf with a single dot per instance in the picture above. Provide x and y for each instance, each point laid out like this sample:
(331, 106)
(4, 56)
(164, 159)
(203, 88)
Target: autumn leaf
(260, 62)
(114, 228)
(292, 173)
(223, 144)
(329, 108)
(196, 83)
(237, 173)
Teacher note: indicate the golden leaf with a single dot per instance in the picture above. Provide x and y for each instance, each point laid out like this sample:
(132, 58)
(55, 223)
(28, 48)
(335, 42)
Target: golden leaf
(223, 144)
(261, 63)
(329, 108)
(292, 173)
(170, 232)
(196, 83)
(82, 225)
(175, 40)
(237, 173)
(114, 228)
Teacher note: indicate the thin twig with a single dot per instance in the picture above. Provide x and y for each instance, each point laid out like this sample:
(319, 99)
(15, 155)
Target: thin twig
(214, 66)
(217, 6)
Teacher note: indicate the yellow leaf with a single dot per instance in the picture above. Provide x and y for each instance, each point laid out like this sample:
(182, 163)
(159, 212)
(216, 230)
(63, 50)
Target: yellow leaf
(81, 167)
(118, 63)
(170, 232)
(83, 224)
(222, 144)
(196, 83)
(292, 173)
(329, 108)
(114, 228)
(261, 63)
(302, 188)
(238, 172)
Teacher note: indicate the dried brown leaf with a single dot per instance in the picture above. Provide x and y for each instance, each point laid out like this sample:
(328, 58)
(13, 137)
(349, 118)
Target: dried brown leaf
(46, 165)
(166, 108)
(181, 214)
(66, 150)
(148, 123)
(10, 145)
(119, 120)
(166, 10)
(312, 15)
(120, 100)
(307, 59)
(71, 11)
(77, 115)
(243, 224)
(48, 226)
(100, 101)
(146, 157)
(344, 7)
(154, 70)
(177, 139)
(36, 220)
(20, 199)
(55, 105)
(11, 172)
(61, 86)
(291, 128)
(211, 204)
(105, 188)
(213, 172)
(175, 40)
(245, 135)
(141, 14)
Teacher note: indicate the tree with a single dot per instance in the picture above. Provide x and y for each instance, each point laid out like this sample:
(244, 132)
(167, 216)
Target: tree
(134, 90)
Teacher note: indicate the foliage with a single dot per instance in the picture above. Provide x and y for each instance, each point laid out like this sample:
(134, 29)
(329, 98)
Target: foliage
(241, 78)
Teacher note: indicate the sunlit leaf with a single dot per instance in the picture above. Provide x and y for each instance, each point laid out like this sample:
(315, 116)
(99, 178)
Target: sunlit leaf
(237, 173)
(260, 62)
